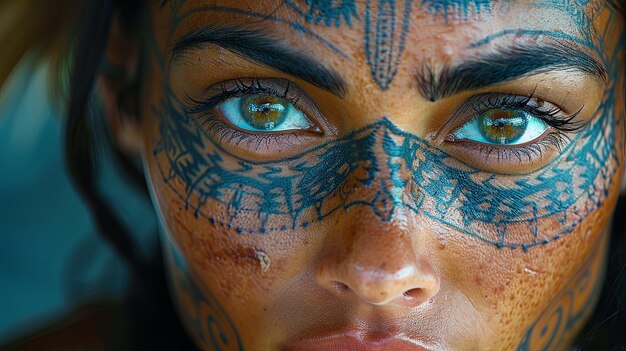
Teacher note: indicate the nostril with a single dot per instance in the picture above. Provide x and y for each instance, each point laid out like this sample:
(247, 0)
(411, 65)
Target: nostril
(414, 294)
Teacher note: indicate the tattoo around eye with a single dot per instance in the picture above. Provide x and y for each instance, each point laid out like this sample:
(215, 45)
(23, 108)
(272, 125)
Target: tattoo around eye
(409, 174)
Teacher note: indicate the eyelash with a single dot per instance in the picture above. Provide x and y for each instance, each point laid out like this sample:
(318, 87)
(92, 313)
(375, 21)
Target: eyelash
(224, 132)
(553, 117)
(563, 123)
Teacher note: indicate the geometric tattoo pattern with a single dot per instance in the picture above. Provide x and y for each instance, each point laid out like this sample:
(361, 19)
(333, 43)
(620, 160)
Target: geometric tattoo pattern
(385, 168)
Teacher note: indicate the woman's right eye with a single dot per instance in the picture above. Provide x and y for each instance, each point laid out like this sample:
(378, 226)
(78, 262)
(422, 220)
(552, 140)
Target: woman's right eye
(258, 116)
(264, 114)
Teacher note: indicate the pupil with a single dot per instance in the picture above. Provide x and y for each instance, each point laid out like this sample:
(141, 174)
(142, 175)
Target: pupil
(502, 126)
(264, 112)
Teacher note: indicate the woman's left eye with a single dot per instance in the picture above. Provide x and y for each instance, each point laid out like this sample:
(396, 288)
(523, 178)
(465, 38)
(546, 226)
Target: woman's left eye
(264, 113)
(501, 126)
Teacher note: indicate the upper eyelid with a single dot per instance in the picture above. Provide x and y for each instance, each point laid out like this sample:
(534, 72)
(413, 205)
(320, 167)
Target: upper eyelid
(471, 108)
(275, 86)
(465, 112)
(220, 92)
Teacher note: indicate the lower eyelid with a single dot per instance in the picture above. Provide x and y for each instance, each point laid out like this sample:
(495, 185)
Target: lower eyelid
(254, 147)
(515, 159)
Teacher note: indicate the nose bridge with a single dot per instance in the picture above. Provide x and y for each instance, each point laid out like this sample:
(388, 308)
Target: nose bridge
(378, 262)
(380, 167)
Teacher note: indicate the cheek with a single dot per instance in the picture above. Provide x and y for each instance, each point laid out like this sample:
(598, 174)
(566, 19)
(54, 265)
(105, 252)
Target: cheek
(543, 296)
(216, 250)
(235, 275)
(245, 274)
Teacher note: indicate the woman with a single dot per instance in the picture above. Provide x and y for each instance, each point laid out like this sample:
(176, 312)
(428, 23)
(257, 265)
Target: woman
(376, 175)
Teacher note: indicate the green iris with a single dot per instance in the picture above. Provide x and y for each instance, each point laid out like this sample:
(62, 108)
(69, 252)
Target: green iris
(502, 126)
(264, 112)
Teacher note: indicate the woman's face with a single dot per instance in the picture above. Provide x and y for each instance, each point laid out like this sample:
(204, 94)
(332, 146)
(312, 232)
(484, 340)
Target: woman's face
(384, 174)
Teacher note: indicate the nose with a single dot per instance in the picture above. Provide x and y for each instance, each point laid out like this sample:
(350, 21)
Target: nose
(378, 263)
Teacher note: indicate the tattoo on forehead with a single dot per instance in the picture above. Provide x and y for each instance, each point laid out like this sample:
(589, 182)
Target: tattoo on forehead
(463, 7)
(578, 11)
(395, 171)
(386, 25)
(327, 12)
(387, 22)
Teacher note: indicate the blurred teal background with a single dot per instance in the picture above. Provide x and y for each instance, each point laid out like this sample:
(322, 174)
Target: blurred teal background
(51, 259)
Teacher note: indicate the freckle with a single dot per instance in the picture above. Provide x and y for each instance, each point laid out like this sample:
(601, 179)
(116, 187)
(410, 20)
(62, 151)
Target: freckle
(478, 280)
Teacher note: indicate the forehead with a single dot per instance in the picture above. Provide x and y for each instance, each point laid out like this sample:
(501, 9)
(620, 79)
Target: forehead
(380, 40)
(342, 26)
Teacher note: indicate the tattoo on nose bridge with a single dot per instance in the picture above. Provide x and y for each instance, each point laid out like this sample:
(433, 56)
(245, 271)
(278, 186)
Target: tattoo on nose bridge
(387, 170)
(384, 168)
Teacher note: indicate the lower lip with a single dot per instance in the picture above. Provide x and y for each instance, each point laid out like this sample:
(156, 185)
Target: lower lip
(341, 343)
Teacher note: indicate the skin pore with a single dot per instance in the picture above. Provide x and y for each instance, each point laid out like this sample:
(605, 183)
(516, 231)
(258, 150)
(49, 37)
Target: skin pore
(440, 172)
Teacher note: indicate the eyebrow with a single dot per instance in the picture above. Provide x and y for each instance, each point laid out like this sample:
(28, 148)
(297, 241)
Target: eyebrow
(504, 65)
(264, 49)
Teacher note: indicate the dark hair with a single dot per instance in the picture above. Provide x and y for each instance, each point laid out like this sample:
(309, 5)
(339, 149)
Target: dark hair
(156, 325)
(154, 322)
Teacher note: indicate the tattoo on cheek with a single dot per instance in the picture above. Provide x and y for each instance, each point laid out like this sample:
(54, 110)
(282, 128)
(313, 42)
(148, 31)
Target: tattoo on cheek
(568, 310)
(386, 169)
(207, 319)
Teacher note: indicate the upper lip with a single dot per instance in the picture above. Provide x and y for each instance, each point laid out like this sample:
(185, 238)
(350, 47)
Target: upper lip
(360, 340)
